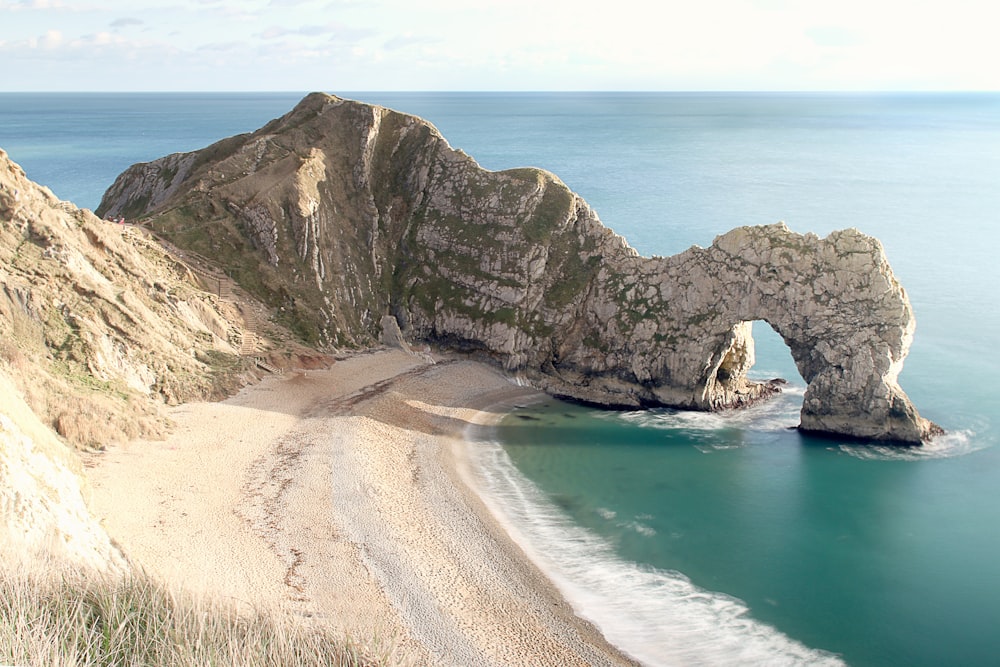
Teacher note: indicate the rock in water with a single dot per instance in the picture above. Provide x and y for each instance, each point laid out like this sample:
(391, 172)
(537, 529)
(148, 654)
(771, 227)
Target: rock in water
(339, 213)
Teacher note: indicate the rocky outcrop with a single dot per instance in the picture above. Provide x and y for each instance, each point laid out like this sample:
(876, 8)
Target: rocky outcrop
(340, 213)
(102, 316)
(43, 509)
(99, 327)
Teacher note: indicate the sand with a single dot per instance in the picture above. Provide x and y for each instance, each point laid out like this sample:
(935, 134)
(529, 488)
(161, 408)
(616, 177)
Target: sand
(342, 495)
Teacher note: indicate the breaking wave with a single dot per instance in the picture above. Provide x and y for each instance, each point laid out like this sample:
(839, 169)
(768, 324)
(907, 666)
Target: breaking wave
(659, 617)
(949, 445)
(777, 414)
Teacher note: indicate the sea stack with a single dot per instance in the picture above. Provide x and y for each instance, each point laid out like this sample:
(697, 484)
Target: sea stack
(341, 213)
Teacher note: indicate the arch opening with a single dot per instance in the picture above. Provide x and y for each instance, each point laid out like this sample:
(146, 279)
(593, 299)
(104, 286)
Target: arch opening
(749, 365)
(773, 356)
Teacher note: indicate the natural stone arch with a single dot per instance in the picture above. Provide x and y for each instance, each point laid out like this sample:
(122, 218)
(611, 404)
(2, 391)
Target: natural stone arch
(371, 212)
(837, 305)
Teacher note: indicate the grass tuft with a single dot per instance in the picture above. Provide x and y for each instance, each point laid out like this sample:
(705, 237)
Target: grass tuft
(72, 618)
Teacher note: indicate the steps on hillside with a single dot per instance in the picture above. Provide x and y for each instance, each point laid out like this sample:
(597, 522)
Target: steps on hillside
(248, 346)
(261, 363)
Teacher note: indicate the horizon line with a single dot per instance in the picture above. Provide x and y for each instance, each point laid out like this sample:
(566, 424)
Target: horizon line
(705, 91)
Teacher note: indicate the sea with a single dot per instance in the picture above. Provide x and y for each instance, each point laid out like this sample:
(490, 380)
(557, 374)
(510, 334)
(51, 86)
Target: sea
(729, 538)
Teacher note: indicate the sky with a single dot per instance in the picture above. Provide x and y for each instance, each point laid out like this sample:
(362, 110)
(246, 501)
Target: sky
(549, 45)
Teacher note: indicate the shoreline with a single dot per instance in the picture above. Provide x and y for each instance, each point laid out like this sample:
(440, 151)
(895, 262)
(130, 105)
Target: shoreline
(345, 495)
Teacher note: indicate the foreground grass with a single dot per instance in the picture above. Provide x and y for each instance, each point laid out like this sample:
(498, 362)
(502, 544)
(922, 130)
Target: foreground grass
(72, 619)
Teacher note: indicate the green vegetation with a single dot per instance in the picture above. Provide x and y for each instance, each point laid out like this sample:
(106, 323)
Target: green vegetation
(73, 619)
(575, 275)
(167, 175)
(136, 208)
(701, 318)
(552, 210)
(219, 151)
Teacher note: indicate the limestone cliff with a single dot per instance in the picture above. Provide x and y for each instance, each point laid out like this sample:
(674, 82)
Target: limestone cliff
(339, 213)
(99, 326)
(43, 508)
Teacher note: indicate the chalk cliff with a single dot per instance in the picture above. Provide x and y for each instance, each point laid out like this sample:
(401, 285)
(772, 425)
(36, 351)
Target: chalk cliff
(340, 213)
(99, 327)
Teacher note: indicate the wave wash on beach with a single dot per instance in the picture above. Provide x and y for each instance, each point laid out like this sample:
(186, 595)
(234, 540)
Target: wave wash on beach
(337, 494)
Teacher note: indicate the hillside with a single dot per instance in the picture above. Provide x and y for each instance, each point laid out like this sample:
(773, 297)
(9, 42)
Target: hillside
(339, 213)
(101, 326)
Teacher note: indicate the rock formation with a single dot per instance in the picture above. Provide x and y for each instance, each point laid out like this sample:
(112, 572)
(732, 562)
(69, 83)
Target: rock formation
(99, 326)
(340, 213)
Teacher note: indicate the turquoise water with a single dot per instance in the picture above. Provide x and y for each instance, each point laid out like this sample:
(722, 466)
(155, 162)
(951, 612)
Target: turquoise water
(877, 556)
(713, 539)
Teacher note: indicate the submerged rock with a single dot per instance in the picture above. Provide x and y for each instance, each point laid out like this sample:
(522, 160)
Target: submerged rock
(340, 213)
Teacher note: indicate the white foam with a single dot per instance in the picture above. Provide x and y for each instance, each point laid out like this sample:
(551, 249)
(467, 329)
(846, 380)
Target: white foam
(949, 445)
(658, 617)
(639, 527)
(776, 414)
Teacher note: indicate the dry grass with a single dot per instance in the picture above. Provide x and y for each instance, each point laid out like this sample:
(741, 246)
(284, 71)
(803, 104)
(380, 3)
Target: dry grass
(69, 618)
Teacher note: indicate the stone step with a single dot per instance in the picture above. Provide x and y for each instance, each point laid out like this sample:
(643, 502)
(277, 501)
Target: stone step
(262, 364)
(249, 345)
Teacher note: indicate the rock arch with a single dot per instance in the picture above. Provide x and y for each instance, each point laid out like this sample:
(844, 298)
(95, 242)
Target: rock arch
(836, 303)
(515, 268)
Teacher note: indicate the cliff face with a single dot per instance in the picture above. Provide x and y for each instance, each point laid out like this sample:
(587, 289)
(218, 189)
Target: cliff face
(99, 326)
(43, 509)
(339, 213)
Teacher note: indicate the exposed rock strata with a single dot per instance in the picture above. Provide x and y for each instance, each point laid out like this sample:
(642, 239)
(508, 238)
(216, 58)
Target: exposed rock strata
(99, 326)
(339, 213)
(43, 510)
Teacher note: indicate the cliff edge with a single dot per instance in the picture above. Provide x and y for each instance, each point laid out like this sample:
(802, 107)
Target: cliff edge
(100, 326)
(340, 213)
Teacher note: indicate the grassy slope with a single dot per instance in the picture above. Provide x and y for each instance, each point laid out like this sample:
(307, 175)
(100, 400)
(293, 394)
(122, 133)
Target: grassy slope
(69, 618)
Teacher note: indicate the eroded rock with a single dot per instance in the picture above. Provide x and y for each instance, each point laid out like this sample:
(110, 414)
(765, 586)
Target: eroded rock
(360, 211)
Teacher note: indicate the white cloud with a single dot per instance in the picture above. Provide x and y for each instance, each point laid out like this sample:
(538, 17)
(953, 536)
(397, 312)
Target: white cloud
(834, 36)
(51, 40)
(332, 29)
(408, 39)
(530, 44)
(40, 4)
(126, 22)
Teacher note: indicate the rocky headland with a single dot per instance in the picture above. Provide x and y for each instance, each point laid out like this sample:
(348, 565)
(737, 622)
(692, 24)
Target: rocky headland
(100, 327)
(342, 226)
(340, 213)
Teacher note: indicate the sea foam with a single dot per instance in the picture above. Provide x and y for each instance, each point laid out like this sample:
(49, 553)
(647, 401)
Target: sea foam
(949, 445)
(776, 414)
(659, 617)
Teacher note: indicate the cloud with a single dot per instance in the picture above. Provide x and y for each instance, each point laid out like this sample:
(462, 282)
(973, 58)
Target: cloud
(32, 4)
(333, 29)
(408, 39)
(222, 47)
(102, 38)
(50, 41)
(126, 22)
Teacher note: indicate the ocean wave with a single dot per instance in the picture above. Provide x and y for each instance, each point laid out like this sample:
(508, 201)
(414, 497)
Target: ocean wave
(949, 445)
(777, 414)
(659, 617)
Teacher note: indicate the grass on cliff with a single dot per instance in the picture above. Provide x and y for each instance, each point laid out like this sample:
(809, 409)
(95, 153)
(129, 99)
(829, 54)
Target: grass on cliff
(72, 619)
